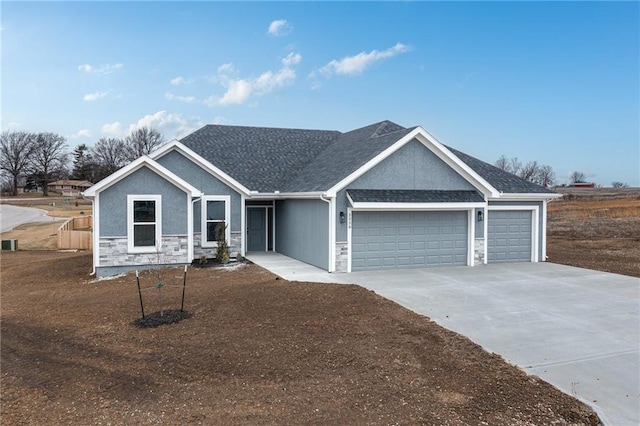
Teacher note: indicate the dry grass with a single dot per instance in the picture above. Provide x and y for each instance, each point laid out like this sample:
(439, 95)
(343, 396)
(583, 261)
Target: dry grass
(585, 209)
(35, 236)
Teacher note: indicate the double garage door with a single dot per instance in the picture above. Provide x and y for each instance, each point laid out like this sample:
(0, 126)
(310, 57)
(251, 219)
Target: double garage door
(510, 236)
(386, 240)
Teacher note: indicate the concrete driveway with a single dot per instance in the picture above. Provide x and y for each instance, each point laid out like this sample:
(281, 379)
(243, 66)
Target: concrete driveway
(575, 328)
(12, 216)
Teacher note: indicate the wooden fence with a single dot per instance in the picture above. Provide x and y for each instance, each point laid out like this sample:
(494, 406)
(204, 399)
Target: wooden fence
(76, 233)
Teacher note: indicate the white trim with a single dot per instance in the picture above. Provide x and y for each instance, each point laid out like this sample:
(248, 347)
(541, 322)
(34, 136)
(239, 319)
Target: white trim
(243, 226)
(525, 197)
(254, 195)
(331, 206)
(200, 161)
(203, 218)
(143, 161)
(96, 233)
(131, 199)
(486, 235)
(471, 237)
(434, 146)
(273, 227)
(349, 237)
(535, 220)
(416, 206)
(190, 242)
(544, 231)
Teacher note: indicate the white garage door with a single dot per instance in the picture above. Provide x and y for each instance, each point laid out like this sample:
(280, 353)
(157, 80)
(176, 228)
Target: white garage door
(386, 240)
(510, 236)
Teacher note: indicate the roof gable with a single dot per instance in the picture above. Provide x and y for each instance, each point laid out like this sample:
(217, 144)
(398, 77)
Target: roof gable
(141, 162)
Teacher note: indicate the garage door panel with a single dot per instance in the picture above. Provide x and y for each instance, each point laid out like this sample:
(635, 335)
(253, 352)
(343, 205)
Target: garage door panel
(509, 236)
(408, 239)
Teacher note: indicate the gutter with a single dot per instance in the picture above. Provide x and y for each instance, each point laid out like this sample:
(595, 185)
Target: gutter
(93, 264)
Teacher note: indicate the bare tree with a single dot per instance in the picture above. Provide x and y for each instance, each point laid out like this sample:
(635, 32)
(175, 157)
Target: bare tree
(577, 177)
(49, 156)
(15, 155)
(545, 176)
(142, 141)
(529, 171)
(619, 185)
(109, 155)
(502, 163)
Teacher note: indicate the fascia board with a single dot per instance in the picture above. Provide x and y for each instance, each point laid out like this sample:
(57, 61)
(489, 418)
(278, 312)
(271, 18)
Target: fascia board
(455, 163)
(136, 165)
(415, 206)
(200, 161)
(525, 197)
(283, 195)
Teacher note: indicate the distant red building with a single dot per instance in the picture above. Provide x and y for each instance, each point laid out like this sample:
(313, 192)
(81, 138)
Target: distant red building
(582, 185)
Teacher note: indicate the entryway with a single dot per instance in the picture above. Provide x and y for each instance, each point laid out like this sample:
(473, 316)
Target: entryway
(259, 228)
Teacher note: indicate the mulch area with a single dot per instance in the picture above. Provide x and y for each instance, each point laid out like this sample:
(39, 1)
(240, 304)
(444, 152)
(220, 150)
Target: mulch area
(256, 351)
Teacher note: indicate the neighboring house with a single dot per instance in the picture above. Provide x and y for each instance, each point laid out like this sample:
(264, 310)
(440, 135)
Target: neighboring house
(69, 187)
(582, 185)
(382, 196)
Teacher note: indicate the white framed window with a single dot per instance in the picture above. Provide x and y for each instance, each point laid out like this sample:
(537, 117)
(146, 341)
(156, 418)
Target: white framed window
(216, 210)
(144, 223)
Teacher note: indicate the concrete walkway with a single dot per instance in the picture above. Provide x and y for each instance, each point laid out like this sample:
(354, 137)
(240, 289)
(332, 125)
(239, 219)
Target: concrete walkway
(575, 328)
(12, 216)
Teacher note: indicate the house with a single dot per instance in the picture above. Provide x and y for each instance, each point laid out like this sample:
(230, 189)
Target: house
(69, 187)
(582, 185)
(382, 196)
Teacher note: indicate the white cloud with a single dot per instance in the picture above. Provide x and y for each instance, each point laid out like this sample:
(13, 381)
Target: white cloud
(94, 96)
(179, 80)
(239, 90)
(84, 133)
(185, 99)
(354, 65)
(114, 128)
(279, 27)
(100, 70)
(170, 125)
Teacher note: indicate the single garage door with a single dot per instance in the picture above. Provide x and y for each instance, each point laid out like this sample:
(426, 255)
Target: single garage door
(386, 240)
(509, 236)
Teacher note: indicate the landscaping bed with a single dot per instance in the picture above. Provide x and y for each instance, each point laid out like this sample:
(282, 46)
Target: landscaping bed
(256, 350)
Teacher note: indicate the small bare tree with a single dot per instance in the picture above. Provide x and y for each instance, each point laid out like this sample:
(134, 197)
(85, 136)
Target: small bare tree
(15, 155)
(141, 142)
(619, 185)
(577, 177)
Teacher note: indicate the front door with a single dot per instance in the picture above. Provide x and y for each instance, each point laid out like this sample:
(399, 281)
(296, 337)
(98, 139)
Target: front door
(256, 229)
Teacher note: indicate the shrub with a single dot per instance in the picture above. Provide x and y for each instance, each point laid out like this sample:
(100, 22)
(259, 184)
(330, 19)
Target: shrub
(222, 251)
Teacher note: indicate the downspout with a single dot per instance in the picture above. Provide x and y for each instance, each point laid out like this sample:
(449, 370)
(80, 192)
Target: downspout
(332, 230)
(193, 202)
(93, 264)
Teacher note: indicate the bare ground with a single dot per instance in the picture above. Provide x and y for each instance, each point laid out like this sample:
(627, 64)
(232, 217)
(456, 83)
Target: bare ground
(596, 228)
(256, 351)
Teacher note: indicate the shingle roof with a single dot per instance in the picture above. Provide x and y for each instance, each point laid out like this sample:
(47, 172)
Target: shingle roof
(413, 196)
(501, 180)
(269, 159)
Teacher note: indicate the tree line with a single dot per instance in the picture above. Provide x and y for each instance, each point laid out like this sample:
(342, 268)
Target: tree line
(541, 174)
(40, 158)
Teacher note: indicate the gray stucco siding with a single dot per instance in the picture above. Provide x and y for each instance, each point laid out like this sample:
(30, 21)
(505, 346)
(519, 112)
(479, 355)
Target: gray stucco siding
(113, 203)
(302, 230)
(541, 219)
(413, 166)
(205, 182)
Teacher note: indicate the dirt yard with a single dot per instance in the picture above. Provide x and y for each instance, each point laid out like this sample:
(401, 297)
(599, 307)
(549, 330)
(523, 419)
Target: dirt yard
(257, 351)
(596, 228)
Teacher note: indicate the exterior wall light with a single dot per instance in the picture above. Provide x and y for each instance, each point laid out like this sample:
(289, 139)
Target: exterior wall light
(480, 215)
(341, 217)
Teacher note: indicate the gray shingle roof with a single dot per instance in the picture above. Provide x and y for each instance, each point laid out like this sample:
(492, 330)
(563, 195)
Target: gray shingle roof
(269, 159)
(413, 196)
(503, 181)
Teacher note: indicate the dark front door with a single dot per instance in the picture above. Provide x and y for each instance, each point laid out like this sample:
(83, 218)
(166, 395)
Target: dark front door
(256, 229)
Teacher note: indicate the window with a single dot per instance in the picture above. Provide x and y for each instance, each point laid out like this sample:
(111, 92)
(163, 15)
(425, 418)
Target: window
(215, 211)
(144, 223)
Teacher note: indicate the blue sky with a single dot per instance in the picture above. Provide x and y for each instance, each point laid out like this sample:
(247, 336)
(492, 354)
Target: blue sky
(556, 82)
